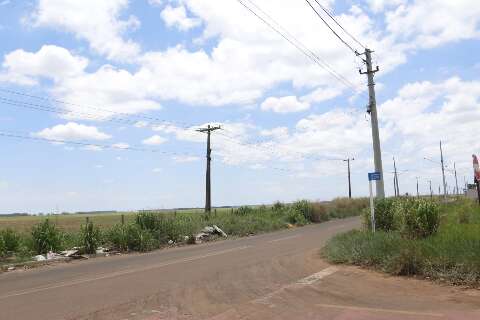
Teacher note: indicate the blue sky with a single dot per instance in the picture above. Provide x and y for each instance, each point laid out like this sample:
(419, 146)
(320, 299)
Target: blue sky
(130, 75)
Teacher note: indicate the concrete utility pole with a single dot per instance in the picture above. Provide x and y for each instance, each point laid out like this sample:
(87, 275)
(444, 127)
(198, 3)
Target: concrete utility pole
(443, 172)
(208, 195)
(456, 179)
(395, 180)
(349, 177)
(372, 109)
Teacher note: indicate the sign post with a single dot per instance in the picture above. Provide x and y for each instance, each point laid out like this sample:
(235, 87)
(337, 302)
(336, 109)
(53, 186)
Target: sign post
(373, 176)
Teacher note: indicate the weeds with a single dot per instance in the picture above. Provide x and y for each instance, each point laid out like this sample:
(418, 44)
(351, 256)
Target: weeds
(11, 240)
(91, 237)
(46, 237)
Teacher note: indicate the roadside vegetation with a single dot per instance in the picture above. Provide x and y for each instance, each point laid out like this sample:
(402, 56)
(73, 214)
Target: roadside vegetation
(416, 237)
(147, 231)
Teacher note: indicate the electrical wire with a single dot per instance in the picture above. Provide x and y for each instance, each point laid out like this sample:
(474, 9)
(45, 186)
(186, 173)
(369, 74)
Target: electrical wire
(301, 47)
(331, 29)
(338, 24)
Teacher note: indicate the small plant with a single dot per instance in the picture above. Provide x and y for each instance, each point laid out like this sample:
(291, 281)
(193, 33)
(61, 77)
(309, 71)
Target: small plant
(147, 221)
(46, 237)
(117, 237)
(11, 239)
(296, 217)
(384, 215)
(131, 237)
(419, 218)
(278, 206)
(91, 237)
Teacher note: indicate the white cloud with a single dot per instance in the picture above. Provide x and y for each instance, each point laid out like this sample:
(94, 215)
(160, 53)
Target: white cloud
(98, 22)
(177, 17)
(157, 170)
(92, 148)
(154, 140)
(50, 61)
(141, 124)
(284, 104)
(72, 131)
(121, 145)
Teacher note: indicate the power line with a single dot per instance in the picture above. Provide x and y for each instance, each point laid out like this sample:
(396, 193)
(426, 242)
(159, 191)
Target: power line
(329, 27)
(123, 114)
(300, 47)
(338, 24)
(90, 144)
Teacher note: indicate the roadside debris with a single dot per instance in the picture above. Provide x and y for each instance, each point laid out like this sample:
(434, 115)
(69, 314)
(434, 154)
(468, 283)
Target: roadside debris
(39, 258)
(208, 232)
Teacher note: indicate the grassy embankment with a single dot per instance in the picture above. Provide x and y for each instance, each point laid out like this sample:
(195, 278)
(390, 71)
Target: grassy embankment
(27, 236)
(416, 237)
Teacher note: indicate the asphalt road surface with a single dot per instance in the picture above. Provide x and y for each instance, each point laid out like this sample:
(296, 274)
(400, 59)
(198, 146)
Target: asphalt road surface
(273, 276)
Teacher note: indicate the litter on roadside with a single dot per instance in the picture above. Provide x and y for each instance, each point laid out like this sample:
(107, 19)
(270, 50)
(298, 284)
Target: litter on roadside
(208, 232)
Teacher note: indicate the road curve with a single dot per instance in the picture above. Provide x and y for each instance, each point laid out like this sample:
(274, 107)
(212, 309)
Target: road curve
(189, 282)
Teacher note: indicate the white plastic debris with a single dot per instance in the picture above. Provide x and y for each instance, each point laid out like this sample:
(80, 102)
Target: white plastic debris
(170, 241)
(219, 231)
(207, 232)
(39, 258)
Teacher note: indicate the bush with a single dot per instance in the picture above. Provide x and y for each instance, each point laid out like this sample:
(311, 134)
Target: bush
(130, 237)
(11, 239)
(46, 237)
(147, 221)
(304, 208)
(418, 218)
(296, 217)
(345, 207)
(319, 213)
(278, 206)
(384, 215)
(91, 237)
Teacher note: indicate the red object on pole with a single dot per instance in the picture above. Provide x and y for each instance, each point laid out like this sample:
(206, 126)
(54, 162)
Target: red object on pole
(476, 172)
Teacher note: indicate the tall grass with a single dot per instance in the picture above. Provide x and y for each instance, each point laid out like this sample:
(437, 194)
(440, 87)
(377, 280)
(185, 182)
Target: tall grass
(448, 251)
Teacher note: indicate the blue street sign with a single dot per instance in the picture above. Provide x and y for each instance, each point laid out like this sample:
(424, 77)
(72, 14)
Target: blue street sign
(374, 176)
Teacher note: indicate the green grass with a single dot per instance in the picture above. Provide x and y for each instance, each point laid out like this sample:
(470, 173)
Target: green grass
(451, 254)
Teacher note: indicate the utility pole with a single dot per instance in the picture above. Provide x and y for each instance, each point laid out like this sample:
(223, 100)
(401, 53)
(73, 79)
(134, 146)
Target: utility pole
(443, 172)
(349, 178)
(208, 195)
(456, 180)
(395, 180)
(372, 109)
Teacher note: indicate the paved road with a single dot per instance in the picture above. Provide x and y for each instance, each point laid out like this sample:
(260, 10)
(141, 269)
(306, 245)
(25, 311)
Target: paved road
(272, 276)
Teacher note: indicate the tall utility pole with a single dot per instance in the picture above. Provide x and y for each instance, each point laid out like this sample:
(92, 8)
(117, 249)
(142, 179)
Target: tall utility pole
(395, 180)
(208, 194)
(443, 172)
(372, 109)
(456, 179)
(349, 177)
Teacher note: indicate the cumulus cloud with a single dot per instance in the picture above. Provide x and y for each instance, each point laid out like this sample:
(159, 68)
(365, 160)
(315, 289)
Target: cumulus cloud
(72, 131)
(177, 17)
(154, 140)
(50, 61)
(284, 104)
(98, 22)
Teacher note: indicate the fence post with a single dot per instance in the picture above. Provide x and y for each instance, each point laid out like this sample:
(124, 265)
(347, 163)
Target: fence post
(87, 219)
(123, 219)
(215, 211)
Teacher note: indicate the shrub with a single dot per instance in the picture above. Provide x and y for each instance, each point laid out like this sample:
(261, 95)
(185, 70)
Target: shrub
(91, 237)
(296, 217)
(304, 208)
(419, 218)
(46, 237)
(130, 237)
(345, 207)
(384, 215)
(278, 206)
(319, 212)
(147, 221)
(11, 239)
